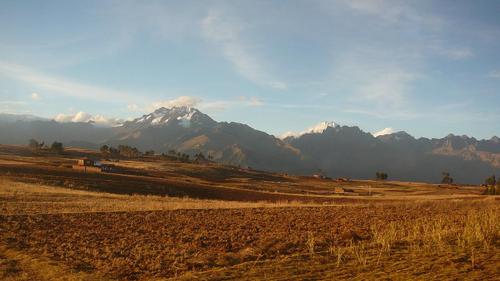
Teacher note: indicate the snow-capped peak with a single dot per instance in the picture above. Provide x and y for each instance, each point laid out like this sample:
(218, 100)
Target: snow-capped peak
(316, 129)
(383, 132)
(163, 115)
(321, 127)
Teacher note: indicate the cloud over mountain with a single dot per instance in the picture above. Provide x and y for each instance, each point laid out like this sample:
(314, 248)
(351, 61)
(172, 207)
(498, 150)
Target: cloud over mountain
(84, 117)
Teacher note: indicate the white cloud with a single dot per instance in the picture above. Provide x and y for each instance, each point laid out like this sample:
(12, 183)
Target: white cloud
(255, 102)
(388, 88)
(216, 105)
(35, 96)
(60, 85)
(386, 131)
(395, 12)
(494, 74)
(460, 53)
(376, 79)
(226, 34)
(454, 53)
(250, 101)
(188, 101)
(84, 117)
(133, 107)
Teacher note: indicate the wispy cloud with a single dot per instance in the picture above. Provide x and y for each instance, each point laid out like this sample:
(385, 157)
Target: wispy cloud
(395, 12)
(35, 96)
(454, 53)
(251, 101)
(13, 107)
(494, 74)
(133, 107)
(85, 117)
(188, 101)
(193, 101)
(459, 53)
(225, 33)
(59, 85)
(376, 79)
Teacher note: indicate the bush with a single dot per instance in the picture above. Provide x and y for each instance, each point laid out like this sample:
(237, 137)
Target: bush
(57, 147)
(381, 176)
(491, 181)
(35, 145)
(447, 179)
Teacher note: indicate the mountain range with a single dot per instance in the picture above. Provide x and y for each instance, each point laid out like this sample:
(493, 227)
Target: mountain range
(336, 151)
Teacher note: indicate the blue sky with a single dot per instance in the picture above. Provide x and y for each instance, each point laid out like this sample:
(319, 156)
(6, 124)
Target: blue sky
(427, 67)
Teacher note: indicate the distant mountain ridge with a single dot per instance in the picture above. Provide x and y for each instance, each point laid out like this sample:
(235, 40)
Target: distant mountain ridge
(338, 151)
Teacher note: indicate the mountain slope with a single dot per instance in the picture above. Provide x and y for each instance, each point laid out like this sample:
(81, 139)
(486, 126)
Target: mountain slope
(190, 131)
(339, 151)
(350, 152)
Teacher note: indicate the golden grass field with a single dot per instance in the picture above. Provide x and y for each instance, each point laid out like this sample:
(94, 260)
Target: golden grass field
(167, 220)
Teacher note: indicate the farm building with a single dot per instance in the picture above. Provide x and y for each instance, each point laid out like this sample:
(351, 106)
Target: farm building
(86, 162)
(339, 189)
(87, 165)
(108, 168)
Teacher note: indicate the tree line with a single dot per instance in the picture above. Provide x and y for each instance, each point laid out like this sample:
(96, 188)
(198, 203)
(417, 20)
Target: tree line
(132, 152)
(36, 146)
(198, 157)
(120, 151)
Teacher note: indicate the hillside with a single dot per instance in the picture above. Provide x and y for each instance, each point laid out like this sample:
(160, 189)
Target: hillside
(163, 219)
(339, 151)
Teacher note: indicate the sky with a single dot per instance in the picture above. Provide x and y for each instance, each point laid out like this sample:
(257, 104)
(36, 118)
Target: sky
(426, 67)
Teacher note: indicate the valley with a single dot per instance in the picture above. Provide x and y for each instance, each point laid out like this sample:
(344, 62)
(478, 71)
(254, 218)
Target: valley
(160, 219)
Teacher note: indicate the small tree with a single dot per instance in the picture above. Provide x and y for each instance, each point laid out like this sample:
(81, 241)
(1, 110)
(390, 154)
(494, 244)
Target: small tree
(35, 145)
(492, 189)
(113, 152)
(149, 153)
(491, 181)
(447, 179)
(128, 151)
(200, 157)
(57, 147)
(104, 151)
(381, 175)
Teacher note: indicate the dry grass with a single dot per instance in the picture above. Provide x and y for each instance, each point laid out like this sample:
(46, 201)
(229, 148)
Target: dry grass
(439, 247)
(422, 240)
(224, 182)
(18, 266)
(28, 198)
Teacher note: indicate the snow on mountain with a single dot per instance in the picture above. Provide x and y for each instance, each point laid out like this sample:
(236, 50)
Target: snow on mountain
(386, 131)
(163, 115)
(317, 129)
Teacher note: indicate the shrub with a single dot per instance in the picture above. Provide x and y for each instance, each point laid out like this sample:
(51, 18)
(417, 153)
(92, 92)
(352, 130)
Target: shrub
(381, 175)
(447, 179)
(57, 147)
